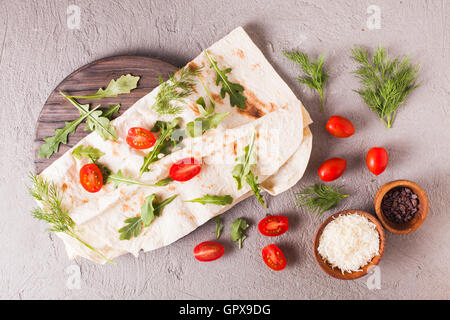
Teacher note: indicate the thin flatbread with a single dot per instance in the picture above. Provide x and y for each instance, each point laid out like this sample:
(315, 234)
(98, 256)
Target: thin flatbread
(273, 114)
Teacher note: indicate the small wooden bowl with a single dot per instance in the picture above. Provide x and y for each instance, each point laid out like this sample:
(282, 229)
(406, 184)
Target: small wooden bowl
(336, 272)
(420, 215)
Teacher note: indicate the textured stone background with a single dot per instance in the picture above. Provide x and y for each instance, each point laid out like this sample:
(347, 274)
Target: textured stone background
(38, 50)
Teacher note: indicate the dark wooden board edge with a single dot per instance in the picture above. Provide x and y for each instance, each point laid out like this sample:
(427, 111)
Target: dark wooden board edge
(87, 80)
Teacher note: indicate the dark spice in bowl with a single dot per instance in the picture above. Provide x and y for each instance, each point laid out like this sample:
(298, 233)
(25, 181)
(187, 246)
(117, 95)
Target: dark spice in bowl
(400, 205)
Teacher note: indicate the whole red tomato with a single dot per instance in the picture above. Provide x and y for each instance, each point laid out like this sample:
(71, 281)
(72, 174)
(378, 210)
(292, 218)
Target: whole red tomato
(377, 160)
(332, 169)
(340, 127)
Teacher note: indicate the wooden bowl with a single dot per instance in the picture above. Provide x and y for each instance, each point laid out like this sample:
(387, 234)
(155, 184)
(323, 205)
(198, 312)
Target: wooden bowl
(420, 215)
(336, 272)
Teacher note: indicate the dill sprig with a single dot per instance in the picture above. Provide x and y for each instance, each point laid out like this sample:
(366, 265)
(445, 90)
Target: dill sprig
(315, 77)
(52, 212)
(386, 82)
(179, 86)
(320, 197)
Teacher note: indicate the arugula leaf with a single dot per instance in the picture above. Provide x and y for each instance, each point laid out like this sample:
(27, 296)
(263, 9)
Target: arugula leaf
(237, 231)
(124, 84)
(51, 144)
(149, 211)
(118, 178)
(252, 181)
(209, 199)
(242, 171)
(234, 90)
(163, 144)
(95, 121)
(179, 86)
(132, 228)
(199, 126)
(112, 112)
(247, 160)
(315, 77)
(219, 226)
(87, 152)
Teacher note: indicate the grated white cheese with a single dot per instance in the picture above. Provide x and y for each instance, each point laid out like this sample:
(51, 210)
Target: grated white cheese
(349, 242)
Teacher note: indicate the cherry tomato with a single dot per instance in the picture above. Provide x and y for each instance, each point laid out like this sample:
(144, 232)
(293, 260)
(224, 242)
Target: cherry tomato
(185, 169)
(274, 257)
(91, 178)
(340, 127)
(140, 138)
(272, 226)
(377, 160)
(332, 169)
(208, 251)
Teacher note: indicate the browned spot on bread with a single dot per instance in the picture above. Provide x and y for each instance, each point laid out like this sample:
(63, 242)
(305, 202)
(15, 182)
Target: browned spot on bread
(171, 188)
(64, 187)
(254, 108)
(217, 98)
(256, 65)
(240, 53)
(125, 207)
(193, 65)
(85, 201)
(194, 108)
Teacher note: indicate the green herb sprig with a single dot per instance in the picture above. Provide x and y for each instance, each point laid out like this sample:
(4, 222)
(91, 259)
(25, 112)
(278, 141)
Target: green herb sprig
(237, 231)
(386, 82)
(179, 86)
(124, 84)
(151, 209)
(95, 120)
(52, 143)
(118, 178)
(219, 227)
(234, 90)
(164, 144)
(320, 197)
(242, 171)
(315, 76)
(211, 199)
(52, 211)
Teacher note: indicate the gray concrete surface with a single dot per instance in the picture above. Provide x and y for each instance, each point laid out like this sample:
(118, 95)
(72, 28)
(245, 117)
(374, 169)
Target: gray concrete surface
(38, 50)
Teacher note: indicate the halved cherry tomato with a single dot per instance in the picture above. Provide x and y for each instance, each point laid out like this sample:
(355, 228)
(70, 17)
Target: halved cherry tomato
(272, 226)
(185, 169)
(140, 138)
(208, 251)
(274, 257)
(91, 178)
(340, 127)
(332, 169)
(377, 160)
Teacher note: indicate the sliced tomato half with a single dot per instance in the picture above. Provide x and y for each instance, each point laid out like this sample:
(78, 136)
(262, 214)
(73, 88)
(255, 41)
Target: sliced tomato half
(91, 178)
(273, 226)
(185, 169)
(274, 257)
(140, 138)
(208, 251)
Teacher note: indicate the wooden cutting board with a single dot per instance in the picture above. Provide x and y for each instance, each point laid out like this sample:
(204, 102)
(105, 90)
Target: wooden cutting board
(87, 80)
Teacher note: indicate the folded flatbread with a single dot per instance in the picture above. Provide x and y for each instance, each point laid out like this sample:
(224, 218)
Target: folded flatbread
(283, 146)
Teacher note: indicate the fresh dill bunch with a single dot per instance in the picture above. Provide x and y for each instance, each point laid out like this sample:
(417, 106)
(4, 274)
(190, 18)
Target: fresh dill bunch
(315, 77)
(179, 86)
(386, 82)
(51, 210)
(319, 197)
